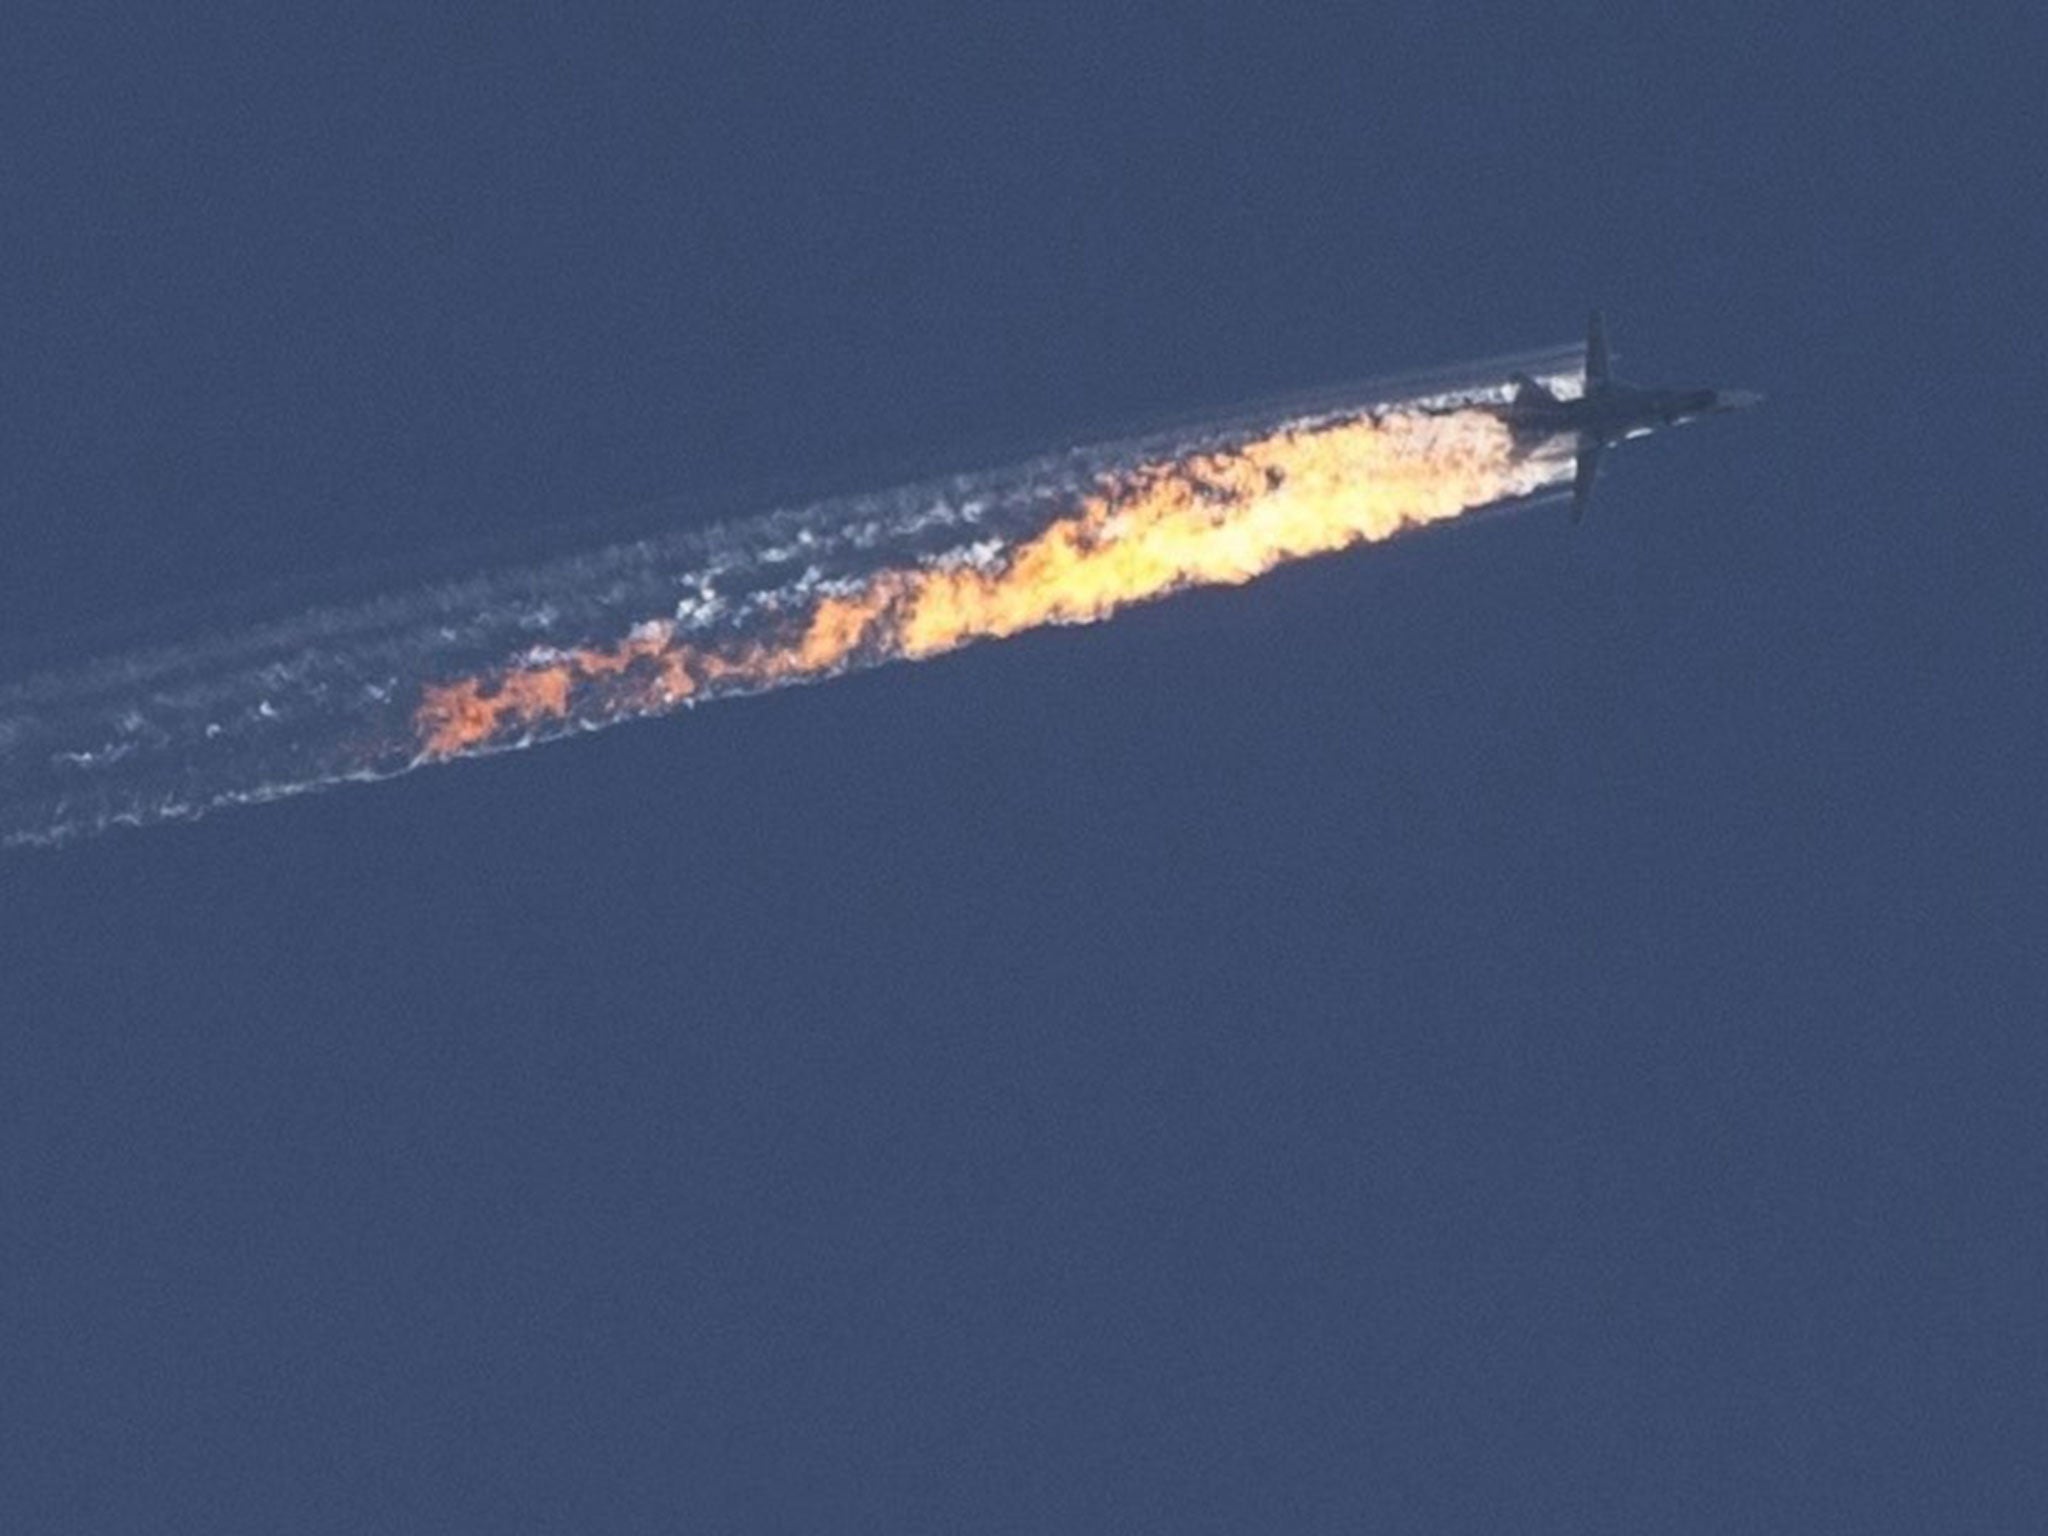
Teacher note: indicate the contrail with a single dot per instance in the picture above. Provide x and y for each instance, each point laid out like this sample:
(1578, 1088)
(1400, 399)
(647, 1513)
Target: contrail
(431, 672)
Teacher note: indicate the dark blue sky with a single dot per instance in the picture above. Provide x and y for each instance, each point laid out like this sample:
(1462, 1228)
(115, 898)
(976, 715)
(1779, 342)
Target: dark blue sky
(1526, 1028)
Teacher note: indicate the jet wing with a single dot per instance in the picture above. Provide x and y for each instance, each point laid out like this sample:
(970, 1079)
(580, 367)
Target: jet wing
(1596, 351)
(1582, 481)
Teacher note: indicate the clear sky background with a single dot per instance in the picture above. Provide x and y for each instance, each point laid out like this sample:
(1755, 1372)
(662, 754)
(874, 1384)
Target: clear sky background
(1527, 1028)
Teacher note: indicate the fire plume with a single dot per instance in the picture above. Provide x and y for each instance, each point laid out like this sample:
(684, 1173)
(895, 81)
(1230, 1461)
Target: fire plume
(1213, 517)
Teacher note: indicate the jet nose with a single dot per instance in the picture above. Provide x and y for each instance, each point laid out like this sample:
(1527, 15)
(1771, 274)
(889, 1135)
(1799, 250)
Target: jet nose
(1736, 399)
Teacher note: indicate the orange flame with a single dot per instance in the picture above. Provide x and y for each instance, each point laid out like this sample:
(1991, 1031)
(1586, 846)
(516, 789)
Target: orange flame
(1201, 520)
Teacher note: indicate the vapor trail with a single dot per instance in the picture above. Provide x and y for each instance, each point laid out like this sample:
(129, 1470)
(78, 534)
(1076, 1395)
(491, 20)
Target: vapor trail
(510, 657)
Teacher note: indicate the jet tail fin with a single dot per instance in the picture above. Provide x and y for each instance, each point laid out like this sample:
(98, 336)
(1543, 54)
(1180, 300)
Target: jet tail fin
(1582, 479)
(1596, 351)
(1527, 388)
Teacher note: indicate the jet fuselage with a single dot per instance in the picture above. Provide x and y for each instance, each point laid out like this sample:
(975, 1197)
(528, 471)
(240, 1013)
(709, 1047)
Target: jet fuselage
(1614, 413)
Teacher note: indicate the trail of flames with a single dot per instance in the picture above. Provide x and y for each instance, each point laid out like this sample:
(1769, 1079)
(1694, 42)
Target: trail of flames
(1214, 517)
(285, 693)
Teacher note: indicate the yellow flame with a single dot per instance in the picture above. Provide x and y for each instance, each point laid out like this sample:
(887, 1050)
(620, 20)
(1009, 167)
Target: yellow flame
(1201, 520)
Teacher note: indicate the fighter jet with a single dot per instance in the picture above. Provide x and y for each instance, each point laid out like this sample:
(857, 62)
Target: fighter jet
(1609, 412)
